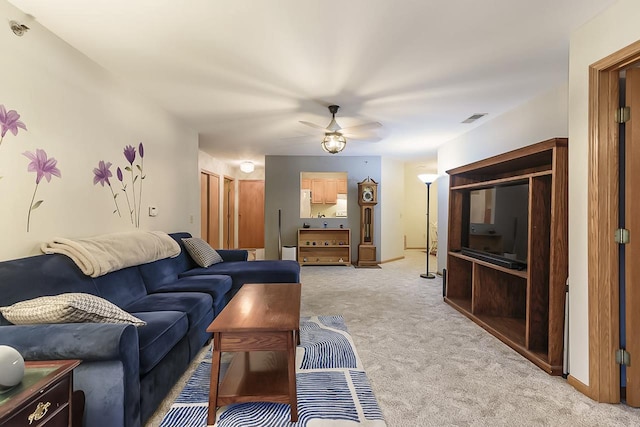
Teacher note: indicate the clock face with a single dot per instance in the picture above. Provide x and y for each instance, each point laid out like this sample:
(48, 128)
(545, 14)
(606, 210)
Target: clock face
(367, 194)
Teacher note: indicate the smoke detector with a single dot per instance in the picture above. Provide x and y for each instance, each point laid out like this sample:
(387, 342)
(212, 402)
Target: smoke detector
(18, 28)
(474, 117)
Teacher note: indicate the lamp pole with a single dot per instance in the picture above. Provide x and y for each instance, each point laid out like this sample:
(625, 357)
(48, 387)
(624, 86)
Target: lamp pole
(428, 180)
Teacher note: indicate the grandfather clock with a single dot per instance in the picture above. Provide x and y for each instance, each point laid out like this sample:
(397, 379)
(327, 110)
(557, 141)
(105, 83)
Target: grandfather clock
(367, 199)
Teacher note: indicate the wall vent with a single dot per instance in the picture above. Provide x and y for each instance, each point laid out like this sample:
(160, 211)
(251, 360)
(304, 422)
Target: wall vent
(474, 117)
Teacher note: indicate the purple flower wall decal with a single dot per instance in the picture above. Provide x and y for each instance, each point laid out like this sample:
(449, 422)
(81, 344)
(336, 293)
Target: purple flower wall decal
(130, 154)
(9, 121)
(101, 175)
(43, 167)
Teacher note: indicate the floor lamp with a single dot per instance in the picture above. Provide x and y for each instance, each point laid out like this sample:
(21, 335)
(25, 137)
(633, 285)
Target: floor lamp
(428, 179)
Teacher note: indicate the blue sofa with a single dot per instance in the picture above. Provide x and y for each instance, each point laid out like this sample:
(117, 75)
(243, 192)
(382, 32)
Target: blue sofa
(127, 371)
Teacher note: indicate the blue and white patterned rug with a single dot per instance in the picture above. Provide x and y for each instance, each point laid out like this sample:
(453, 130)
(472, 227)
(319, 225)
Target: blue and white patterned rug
(333, 389)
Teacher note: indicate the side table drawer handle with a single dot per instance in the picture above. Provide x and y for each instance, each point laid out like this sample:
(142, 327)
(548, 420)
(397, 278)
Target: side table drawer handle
(40, 412)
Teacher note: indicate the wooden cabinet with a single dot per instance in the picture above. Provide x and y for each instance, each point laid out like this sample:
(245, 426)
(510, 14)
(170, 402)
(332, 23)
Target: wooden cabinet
(523, 308)
(324, 191)
(45, 397)
(342, 186)
(330, 191)
(305, 184)
(317, 191)
(324, 246)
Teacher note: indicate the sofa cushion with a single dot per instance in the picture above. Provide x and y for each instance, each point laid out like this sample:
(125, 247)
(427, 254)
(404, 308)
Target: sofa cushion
(195, 304)
(215, 285)
(121, 287)
(262, 271)
(163, 331)
(67, 308)
(201, 252)
(40, 275)
(165, 271)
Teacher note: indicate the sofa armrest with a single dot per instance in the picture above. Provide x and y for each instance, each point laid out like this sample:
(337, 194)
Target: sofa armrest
(85, 341)
(233, 254)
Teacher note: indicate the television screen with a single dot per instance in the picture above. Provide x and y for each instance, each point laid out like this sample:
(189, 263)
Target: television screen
(498, 221)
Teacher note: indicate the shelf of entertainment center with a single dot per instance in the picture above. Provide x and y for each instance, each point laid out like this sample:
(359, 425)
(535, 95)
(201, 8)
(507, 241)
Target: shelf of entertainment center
(519, 273)
(492, 182)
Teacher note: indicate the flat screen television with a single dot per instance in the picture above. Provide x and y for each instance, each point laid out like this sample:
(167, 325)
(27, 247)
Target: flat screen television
(496, 225)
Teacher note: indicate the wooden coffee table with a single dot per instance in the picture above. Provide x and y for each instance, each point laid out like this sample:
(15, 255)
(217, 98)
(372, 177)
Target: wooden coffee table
(261, 324)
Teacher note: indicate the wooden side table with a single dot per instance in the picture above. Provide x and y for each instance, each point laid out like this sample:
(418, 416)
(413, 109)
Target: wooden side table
(45, 397)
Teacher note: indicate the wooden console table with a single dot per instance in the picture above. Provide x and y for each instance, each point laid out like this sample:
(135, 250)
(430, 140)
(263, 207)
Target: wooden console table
(261, 324)
(45, 397)
(324, 246)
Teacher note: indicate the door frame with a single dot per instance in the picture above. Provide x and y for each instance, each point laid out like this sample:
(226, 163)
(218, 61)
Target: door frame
(216, 204)
(603, 208)
(229, 208)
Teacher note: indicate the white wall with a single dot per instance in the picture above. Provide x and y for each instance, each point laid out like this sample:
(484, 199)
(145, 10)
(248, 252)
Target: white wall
(79, 114)
(541, 118)
(609, 32)
(391, 211)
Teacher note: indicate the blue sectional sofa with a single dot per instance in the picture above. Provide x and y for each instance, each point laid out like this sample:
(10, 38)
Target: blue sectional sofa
(127, 371)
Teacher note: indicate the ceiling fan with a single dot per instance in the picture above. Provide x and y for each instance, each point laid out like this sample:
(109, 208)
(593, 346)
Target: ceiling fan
(335, 136)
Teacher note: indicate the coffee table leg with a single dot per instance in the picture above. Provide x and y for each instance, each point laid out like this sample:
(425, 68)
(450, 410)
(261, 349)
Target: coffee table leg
(213, 383)
(293, 392)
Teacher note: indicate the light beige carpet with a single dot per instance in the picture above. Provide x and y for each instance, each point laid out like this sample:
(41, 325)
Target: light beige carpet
(431, 366)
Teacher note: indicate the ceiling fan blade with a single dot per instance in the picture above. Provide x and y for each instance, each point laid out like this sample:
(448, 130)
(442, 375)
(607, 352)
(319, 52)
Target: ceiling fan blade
(372, 125)
(313, 125)
(364, 138)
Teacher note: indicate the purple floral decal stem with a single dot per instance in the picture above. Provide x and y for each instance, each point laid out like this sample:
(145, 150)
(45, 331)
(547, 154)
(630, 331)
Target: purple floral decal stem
(130, 155)
(44, 168)
(101, 175)
(9, 121)
(142, 176)
(124, 190)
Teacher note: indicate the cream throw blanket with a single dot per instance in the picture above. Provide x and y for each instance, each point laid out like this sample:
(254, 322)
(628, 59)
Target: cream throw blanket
(99, 255)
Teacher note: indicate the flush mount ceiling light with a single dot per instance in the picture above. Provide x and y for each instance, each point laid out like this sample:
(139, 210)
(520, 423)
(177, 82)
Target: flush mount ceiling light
(247, 167)
(333, 142)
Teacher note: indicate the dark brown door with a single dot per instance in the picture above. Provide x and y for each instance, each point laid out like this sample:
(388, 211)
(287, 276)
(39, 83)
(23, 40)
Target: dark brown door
(251, 214)
(632, 223)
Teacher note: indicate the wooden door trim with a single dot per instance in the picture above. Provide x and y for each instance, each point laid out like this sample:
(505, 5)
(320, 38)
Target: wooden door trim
(231, 240)
(603, 207)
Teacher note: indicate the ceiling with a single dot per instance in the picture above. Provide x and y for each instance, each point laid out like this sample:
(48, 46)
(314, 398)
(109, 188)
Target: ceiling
(244, 73)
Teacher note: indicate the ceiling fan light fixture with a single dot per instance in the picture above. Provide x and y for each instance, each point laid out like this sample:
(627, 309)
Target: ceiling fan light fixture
(247, 167)
(333, 142)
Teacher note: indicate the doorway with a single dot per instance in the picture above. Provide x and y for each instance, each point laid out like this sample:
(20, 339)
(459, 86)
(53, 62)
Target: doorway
(251, 214)
(604, 206)
(210, 208)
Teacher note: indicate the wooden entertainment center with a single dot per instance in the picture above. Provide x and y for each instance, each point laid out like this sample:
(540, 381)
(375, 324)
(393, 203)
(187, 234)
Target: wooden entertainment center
(523, 308)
